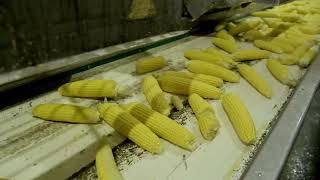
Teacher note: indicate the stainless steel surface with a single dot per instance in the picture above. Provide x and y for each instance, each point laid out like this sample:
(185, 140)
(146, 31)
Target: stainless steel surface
(269, 161)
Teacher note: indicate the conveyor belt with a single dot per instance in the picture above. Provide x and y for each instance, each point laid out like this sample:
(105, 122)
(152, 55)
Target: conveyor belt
(225, 155)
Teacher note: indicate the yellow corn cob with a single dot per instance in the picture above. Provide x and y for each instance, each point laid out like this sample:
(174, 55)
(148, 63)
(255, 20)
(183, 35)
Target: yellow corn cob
(208, 123)
(105, 164)
(255, 79)
(203, 56)
(281, 72)
(268, 14)
(66, 113)
(223, 34)
(309, 29)
(127, 125)
(257, 34)
(240, 118)
(308, 57)
(89, 88)
(245, 26)
(285, 40)
(177, 102)
(287, 48)
(287, 59)
(302, 49)
(226, 45)
(295, 57)
(221, 55)
(150, 64)
(211, 80)
(267, 45)
(213, 70)
(155, 96)
(183, 86)
(251, 54)
(291, 17)
(163, 126)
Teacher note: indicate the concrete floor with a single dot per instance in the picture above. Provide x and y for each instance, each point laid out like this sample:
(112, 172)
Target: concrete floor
(304, 158)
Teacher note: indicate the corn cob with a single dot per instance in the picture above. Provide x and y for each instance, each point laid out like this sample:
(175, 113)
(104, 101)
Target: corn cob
(155, 96)
(223, 34)
(150, 64)
(240, 118)
(255, 79)
(285, 40)
(221, 55)
(281, 72)
(163, 126)
(267, 45)
(183, 86)
(226, 45)
(89, 88)
(245, 26)
(207, 57)
(308, 57)
(106, 165)
(208, 123)
(177, 102)
(66, 113)
(287, 48)
(267, 14)
(256, 34)
(127, 125)
(212, 70)
(251, 54)
(211, 80)
(296, 55)
(287, 59)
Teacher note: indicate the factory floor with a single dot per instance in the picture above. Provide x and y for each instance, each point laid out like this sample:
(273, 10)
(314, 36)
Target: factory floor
(304, 159)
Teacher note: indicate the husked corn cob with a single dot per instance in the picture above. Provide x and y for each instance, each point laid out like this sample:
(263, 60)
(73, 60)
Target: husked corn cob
(266, 45)
(150, 64)
(287, 59)
(226, 45)
(127, 125)
(257, 34)
(177, 102)
(89, 88)
(268, 14)
(66, 113)
(183, 86)
(211, 80)
(163, 126)
(203, 56)
(308, 57)
(287, 48)
(285, 40)
(106, 165)
(255, 79)
(251, 54)
(155, 96)
(245, 26)
(281, 72)
(223, 34)
(240, 118)
(208, 122)
(221, 55)
(302, 49)
(213, 70)
(295, 57)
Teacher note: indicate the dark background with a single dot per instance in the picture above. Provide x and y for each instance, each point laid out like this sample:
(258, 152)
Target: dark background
(37, 31)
